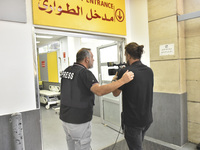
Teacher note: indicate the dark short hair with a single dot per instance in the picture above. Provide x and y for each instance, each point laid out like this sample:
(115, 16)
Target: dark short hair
(134, 50)
(81, 54)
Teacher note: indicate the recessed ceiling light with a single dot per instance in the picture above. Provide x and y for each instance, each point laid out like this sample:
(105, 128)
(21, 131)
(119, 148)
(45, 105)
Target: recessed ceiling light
(37, 42)
(44, 36)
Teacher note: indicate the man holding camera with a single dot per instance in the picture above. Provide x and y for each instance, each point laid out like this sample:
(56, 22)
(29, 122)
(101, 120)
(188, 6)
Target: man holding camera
(78, 86)
(137, 97)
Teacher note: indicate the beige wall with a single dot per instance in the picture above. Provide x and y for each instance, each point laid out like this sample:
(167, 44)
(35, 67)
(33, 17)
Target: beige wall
(169, 70)
(192, 44)
(180, 72)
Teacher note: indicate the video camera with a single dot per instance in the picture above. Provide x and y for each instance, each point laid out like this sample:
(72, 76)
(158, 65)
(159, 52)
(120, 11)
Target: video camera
(113, 71)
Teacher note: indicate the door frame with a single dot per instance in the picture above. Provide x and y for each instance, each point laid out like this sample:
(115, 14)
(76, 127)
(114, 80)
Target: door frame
(102, 98)
(63, 32)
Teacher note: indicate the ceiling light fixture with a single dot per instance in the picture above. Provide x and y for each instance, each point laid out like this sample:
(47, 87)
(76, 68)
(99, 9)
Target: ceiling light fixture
(44, 36)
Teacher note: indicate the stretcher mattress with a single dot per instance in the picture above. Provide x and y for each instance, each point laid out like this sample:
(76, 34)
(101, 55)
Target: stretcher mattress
(49, 93)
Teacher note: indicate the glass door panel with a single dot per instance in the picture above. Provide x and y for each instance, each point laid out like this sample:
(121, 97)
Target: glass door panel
(110, 106)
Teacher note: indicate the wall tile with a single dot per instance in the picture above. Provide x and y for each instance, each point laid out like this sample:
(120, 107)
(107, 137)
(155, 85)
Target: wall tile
(165, 28)
(167, 78)
(179, 49)
(192, 27)
(161, 8)
(193, 112)
(192, 47)
(155, 49)
(193, 88)
(164, 31)
(191, 6)
(194, 132)
(192, 69)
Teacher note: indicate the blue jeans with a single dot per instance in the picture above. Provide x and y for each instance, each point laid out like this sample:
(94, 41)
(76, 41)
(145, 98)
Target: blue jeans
(134, 136)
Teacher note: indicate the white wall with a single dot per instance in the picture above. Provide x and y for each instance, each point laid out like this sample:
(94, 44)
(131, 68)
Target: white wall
(64, 47)
(72, 49)
(137, 25)
(17, 74)
(17, 68)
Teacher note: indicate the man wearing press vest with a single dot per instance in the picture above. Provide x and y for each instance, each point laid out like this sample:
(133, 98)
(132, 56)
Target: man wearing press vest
(78, 86)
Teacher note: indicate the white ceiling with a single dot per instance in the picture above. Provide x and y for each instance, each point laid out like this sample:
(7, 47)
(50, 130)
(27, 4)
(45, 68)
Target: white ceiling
(45, 41)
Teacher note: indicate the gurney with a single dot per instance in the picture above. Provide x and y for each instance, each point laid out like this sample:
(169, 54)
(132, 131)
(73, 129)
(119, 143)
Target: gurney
(50, 96)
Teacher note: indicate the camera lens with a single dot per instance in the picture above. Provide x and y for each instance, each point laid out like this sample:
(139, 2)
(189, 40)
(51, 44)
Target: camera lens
(112, 71)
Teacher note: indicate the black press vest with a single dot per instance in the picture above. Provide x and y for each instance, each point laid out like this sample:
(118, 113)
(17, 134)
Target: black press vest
(74, 92)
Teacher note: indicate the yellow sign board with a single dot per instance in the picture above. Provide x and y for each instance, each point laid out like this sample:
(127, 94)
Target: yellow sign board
(106, 16)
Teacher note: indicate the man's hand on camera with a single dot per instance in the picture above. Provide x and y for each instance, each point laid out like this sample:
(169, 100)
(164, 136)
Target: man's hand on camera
(127, 76)
(115, 77)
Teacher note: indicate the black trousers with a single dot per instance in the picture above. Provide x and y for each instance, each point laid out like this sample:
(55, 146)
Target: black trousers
(134, 136)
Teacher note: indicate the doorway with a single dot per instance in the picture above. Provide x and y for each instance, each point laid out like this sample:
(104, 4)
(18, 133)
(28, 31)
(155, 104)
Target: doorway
(65, 46)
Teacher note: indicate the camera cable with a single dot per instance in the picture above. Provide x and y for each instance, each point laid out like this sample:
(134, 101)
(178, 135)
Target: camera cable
(117, 138)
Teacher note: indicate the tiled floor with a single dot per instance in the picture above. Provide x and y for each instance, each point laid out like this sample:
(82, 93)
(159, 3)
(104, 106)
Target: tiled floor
(54, 137)
(102, 136)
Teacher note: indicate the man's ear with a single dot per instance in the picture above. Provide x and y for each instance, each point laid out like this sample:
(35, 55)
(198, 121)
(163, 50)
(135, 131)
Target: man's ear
(128, 56)
(86, 60)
